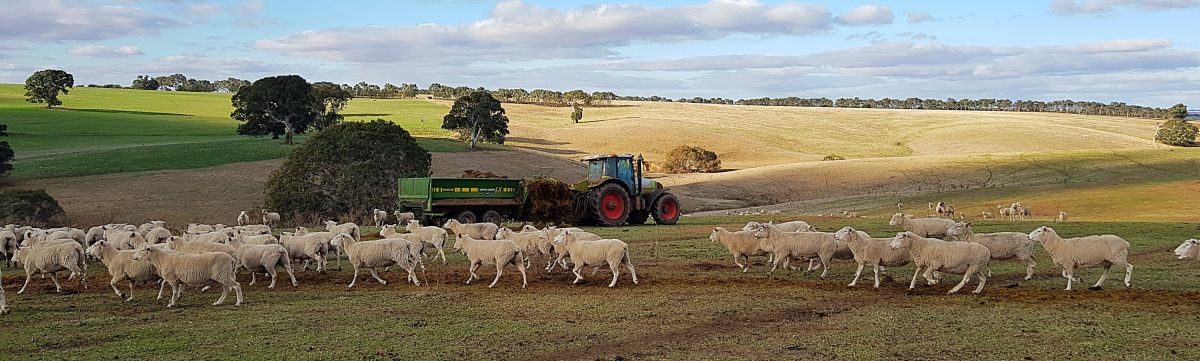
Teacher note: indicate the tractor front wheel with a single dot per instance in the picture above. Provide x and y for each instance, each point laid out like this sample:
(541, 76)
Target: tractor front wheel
(666, 209)
(610, 205)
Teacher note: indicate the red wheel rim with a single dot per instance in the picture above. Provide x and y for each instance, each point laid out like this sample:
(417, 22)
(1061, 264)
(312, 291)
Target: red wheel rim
(612, 205)
(669, 209)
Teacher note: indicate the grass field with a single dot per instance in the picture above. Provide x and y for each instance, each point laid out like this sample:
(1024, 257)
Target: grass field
(692, 304)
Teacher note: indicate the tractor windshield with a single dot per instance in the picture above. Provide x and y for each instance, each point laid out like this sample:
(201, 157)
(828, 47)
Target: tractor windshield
(596, 170)
(625, 170)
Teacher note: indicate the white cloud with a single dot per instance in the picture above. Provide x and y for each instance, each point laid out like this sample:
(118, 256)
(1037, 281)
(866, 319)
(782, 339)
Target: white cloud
(1073, 7)
(867, 15)
(918, 17)
(83, 20)
(104, 51)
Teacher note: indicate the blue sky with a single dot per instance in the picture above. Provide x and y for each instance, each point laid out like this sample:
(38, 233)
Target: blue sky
(1142, 52)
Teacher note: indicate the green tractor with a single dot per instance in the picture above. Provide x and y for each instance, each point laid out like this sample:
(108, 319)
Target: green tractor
(615, 193)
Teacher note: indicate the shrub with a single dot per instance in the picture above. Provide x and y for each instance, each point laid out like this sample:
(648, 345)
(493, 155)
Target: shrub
(1177, 132)
(346, 170)
(833, 157)
(687, 159)
(34, 207)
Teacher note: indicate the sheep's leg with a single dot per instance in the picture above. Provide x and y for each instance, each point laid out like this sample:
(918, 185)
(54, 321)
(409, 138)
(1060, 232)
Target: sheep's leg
(1128, 274)
(1030, 265)
(162, 285)
(176, 291)
(966, 277)
(288, 268)
(594, 270)
(632, 271)
(376, 275)
(339, 259)
(982, 281)
(739, 264)
(616, 271)
(775, 264)
(824, 265)
(253, 278)
(54, 277)
(578, 276)
(856, 275)
(499, 271)
(1103, 276)
(321, 263)
(130, 292)
(441, 253)
(237, 292)
(272, 273)
(224, 293)
(524, 279)
(474, 266)
(989, 270)
(930, 277)
(354, 278)
(913, 283)
(113, 284)
(1070, 274)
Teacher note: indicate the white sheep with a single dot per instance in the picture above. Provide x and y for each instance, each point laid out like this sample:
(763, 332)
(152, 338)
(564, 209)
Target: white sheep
(479, 231)
(177, 244)
(1083, 252)
(246, 238)
(379, 253)
(612, 252)
(528, 241)
(347, 228)
(196, 228)
(270, 219)
(793, 226)
(924, 227)
(491, 252)
(404, 217)
(181, 269)
(93, 234)
(944, 210)
(308, 247)
(157, 235)
(8, 245)
(1189, 249)
(208, 237)
(935, 255)
(1002, 245)
(71, 233)
(785, 246)
(431, 235)
(547, 248)
(529, 228)
(870, 251)
(379, 216)
(741, 244)
(53, 259)
(243, 218)
(123, 268)
(1062, 216)
(253, 229)
(1007, 212)
(263, 258)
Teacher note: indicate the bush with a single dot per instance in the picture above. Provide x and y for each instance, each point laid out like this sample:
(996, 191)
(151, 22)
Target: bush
(833, 157)
(33, 207)
(1177, 132)
(346, 170)
(687, 159)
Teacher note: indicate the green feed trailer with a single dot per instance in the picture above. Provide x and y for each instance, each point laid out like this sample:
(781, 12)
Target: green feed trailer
(614, 194)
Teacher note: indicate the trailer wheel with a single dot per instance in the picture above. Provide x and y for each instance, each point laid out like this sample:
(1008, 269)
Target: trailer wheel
(666, 209)
(492, 216)
(465, 217)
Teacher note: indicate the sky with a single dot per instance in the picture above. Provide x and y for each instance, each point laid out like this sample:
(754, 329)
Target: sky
(1140, 52)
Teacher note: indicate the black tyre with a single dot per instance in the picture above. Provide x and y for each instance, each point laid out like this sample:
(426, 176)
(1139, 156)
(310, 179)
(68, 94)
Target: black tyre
(492, 216)
(466, 217)
(639, 217)
(666, 209)
(610, 205)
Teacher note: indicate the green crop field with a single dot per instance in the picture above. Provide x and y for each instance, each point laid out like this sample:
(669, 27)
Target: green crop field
(101, 131)
(692, 303)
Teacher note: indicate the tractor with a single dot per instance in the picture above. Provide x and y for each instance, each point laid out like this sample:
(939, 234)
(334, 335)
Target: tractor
(615, 193)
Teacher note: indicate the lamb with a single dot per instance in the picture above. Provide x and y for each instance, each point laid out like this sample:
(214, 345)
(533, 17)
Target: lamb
(243, 218)
(270, 218)
(924, 227)
(8, 245)
(379, 216)
(613, 252)
(527, 241)
(181, 269)
(491, 252)
(1020, 210)
(431, 235)
(123, 268)
(306, 247)
(787, 245)
(347, 228)
(482, 231)
(196, 228)
(404, 217)
(209, 237)
(374, 254)
(263, 258)
(944, 210)
(179, 245)
(870, 251)
(53, 259)
(1003, 245)
(1188, 250)
(253, 229)
(1082, 252)
(935, 255)
(740, 244)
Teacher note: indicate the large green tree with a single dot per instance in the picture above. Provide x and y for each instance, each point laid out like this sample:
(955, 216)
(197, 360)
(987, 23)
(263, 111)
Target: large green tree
(1178, 111)
(6, 152)
(347, 169)
(1177, 131)
(44, 86)
(277, 105)
(477, 116)
(145, 82)
(329, 99)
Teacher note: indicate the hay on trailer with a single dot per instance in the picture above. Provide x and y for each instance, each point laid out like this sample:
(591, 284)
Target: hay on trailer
(471, 173)
(548, 201)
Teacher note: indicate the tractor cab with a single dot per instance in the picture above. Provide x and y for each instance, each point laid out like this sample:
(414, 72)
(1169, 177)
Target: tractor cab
(617, 193)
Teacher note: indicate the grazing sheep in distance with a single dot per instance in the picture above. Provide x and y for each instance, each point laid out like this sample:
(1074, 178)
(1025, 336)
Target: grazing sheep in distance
(243, 218)
(180, 269)
(870, 251)
(1062, 216)
(123, 268)
(479, 231)
(613, 252)
(793, 226)
(491, 252)
(379, 253)
(1003, 245)
(270, 219)
(740, 244)
(1189, 249)
(944, 210)
(404, 217)
(53, 259)
(935, 255)
(430, 235)
(924, 227)
(987, 215)
(379, 216)
(1082, 252)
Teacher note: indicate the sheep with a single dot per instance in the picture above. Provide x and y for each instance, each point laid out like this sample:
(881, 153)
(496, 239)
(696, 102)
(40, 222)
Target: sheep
(253, 229)
(306, 247)
(481, 231)
(987, 215)
(93, 234)
(1188, 250)
(379, 216)
(209, 237)
(935, 255)
(327, 237)
(529, 228)
(546, 247)
(924, 227)
(374, 254)
(1062, 216)
(180, 269)
(388, 231)
(270, 218)
(431, 235)
(528, 241)
(787, 245)
(157, 235)
(72, 233)
(1002, 245)
(3, 304)
(944, 210)
(255, 238)
(53, 259)
(196, 228)
(347, 228)
(1082, 252)
(262, 258)
(123, 268)
(612, 252)
(870, 251)
(740, 244)
(243, 218)
(404, 217)
(8, 245)
(179, 245)
(793, 226)
(416, 247)
(491, 252)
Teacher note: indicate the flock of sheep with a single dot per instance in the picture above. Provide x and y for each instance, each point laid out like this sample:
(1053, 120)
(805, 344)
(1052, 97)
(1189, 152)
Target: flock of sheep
(934, 246)
(212, 255)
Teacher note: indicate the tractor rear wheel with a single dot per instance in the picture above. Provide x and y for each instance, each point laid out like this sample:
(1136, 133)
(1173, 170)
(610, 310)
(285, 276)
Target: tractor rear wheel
(666, 209)
(465, 217)
(610, 205)
(492, 216)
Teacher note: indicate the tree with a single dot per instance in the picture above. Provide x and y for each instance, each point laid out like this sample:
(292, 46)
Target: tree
(408, 90)
(576, 112)
(145, 82)
(477, 116)
(1177, 132)
(329, 99)
(685, 159)
(231, 85)
(44, 86)
(171, 82)
(347, 169)
(277, 105)
(6, 152)
(1178, 111)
